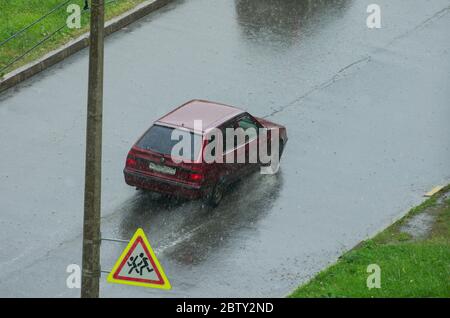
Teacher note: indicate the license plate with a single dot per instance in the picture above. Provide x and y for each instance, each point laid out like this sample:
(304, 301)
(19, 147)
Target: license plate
(161, 168)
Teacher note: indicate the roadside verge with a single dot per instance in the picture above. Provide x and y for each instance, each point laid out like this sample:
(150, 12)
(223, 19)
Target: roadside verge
(411, 258)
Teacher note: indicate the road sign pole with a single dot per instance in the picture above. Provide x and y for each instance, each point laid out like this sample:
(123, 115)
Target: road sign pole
(92, 192)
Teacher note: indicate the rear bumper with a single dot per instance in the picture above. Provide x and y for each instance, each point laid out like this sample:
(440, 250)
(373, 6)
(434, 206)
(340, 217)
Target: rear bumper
(141, 180)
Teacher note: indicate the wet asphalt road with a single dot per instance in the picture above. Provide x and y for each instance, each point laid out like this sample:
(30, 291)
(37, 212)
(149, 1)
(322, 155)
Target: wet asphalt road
(367, 113)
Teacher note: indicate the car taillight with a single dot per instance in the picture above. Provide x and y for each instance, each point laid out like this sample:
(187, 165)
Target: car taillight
(196, 177)
(131, 162)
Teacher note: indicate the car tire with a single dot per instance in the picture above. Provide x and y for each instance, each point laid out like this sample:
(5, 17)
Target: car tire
(216, 195)
(281, 148)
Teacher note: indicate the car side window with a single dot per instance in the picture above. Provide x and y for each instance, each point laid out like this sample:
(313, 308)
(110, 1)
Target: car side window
(229, 141)
(249, 126)
(213, 151)
(233, 138)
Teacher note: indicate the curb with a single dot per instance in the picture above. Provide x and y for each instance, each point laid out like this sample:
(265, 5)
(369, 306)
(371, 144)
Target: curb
(115, 24)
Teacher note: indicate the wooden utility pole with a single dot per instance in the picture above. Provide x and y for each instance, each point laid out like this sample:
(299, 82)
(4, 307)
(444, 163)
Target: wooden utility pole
(90, 280)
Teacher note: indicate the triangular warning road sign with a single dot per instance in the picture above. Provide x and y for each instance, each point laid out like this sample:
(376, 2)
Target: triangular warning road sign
(138, 265)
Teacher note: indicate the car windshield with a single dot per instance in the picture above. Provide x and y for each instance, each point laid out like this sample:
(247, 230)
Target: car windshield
(163, 139)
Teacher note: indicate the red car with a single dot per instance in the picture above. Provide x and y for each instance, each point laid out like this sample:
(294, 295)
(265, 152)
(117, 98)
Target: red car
(151, 164)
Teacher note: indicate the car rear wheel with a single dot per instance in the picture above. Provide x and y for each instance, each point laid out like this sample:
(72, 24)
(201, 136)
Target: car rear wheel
(216, 195)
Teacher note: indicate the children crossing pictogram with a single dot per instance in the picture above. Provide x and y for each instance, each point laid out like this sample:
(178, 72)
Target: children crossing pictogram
(138, 265)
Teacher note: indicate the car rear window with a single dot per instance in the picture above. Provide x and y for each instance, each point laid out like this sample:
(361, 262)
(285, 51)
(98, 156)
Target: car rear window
(159, 139)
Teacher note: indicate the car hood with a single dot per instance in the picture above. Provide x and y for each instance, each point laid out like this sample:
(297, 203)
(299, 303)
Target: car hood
(269, 124)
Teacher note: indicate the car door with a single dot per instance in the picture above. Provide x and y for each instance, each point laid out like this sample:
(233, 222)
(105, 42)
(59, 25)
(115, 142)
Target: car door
(251, 128)
(230, 151)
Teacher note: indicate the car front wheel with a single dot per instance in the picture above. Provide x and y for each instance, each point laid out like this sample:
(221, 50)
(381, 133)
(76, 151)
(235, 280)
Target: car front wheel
(281, 149)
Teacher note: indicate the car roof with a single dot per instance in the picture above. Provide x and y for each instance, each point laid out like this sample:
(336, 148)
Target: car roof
(210, 113)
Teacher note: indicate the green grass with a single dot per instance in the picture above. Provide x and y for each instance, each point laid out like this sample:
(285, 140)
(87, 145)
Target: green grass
(17, 14)
(410, 267)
